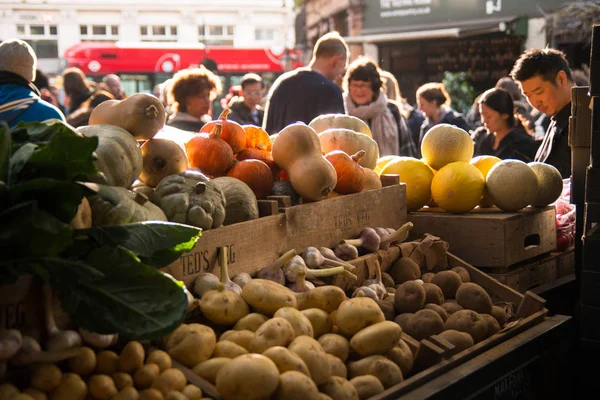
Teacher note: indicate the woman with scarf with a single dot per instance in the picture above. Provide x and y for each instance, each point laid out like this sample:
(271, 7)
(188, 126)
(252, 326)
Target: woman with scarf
(365, 99)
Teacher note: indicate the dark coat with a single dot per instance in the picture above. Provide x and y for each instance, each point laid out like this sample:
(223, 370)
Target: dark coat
(516, 145)
(242, 114)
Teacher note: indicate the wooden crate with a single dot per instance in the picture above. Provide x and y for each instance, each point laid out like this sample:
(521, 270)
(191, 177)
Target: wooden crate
(257, 243)
(491, 237)
(22, 307)
(565, 263)
(531, 274)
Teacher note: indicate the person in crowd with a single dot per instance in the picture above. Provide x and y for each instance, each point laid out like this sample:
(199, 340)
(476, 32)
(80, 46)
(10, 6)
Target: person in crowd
(522, 109)
(81, 117)
(41, 82)
(77, 88)
(19, 98)
(112, 84)
(192, 91)
(305, 93)
(434, 101)
(545, 79)
(246, 109)
(233, 95)
(500, 135)
(414, 118)
(365, 98)
(473, 117)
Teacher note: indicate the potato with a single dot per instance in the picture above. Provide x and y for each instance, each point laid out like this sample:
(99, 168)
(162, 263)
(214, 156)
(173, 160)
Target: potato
(228, 349)
(274, 332)
(160, 358)
(473, 297)
(409, 297)
(122, 380)
(299, 321)
(102, 387)
(433, 294)
(175, 395)
(223, 307)
(132, 357)
(451, 306)
(151, 394)
(145, 376)
(470, 322)
(376, 339)
(464, 274)
(266, 297)
(285, 360)
(326, 298)
(338, 368)
(367, 386)
(438, 309)
(22, 396)
(192, 392)
(493, 326)
(7, 391)
(405, 269)
(388, 373)
(332, 318)
(250, 322)
(71, 387)
(356, 314)
(128, 393)
(335, 345)
(294, 385)
(46, 377)
(34, 394)
(424, 324)
(241, 338)
(339, 389)
(402, 320)
(85, 363)
(500, 315)
(460, 340)
(248, 377)
(323, 396)
(191, 344)
(387, 307)
(387, 280)
(210, 368)
(402, 356)
(319, 320)
(169, 380)
(107, 362)
(427, 277)
(448, 281)
(311, 352)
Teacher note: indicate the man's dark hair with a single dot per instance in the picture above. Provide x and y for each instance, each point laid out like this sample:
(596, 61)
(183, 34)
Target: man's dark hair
(41, 80)
(250, 79)
(546, 63)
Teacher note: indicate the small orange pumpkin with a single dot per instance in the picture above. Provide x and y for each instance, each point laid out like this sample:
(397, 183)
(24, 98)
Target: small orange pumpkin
(262, 155)
(209, 153)
(350, 175)
(257, 138)
(232, 133)
(256, 174)
(372, 180)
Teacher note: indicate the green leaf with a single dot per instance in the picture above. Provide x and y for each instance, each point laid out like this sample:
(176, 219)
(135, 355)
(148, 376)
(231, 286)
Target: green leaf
(28, 231)
(59, 198)
(131, 299)
(19, 160)
(156, 243)
(40, 132)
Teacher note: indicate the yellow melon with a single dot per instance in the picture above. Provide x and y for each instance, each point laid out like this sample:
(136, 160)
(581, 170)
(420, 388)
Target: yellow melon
(444, 144)
(416, 175)
(512, 185)
(381, 162)
(484, 164)
(457, 187)
(550, 184)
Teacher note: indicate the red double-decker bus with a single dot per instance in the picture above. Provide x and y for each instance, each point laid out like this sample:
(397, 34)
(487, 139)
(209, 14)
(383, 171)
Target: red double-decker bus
(143, 65)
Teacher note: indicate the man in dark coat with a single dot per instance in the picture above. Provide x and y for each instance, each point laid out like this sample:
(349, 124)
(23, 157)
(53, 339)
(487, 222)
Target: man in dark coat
(246, 110)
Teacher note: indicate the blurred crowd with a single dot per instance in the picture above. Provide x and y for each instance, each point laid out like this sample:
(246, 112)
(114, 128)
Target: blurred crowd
(525, 116)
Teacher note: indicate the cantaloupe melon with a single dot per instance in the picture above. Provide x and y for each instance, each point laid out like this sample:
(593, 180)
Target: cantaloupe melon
(549, 184)
(382, 162)
(512, 185)
(484, 164)
(457, 187)
(416, 175)
(444, 144)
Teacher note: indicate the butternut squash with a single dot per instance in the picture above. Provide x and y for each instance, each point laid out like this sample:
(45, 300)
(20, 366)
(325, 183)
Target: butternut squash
(350, 142)
(141, 114)
(297, 151)
(340, 121)
(162, 157)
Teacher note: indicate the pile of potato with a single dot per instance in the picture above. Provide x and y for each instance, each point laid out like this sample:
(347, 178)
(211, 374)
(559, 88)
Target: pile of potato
(107, 375)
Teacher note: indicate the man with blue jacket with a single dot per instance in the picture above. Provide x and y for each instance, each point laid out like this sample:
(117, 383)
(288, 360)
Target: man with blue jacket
(19, 98)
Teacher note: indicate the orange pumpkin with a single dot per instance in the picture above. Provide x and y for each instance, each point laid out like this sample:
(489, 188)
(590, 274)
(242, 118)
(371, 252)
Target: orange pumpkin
(372, 180)
(209, 153)
(262, 155)
(232, 133)
(256, 174)
(257, 138)
(350, 175)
